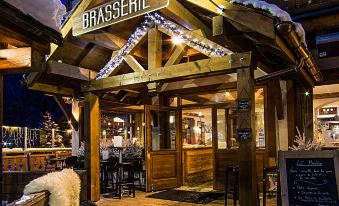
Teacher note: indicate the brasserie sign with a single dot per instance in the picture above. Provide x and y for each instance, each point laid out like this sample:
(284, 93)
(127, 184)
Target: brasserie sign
(114, 12)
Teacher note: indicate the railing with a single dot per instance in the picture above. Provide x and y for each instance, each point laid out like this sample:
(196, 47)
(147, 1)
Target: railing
(31, 159)
(24, 137)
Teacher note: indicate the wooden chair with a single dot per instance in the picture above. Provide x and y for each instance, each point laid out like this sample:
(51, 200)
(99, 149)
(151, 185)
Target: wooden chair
(72, 162)
(234, 172)
(123, 181)
(50, 164)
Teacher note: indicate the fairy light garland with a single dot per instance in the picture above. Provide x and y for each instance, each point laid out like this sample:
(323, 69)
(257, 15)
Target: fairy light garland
(152, 20)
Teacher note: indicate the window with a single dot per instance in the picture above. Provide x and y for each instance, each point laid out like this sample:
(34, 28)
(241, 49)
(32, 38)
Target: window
(163, 130)
(197, 127)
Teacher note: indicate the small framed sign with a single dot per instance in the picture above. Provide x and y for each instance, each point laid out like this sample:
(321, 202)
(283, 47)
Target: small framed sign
(245, 134)
(243, 105)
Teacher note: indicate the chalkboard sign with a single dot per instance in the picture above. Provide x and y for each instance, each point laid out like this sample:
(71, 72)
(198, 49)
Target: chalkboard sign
(309, 178)
(244, 134)
(243, 105)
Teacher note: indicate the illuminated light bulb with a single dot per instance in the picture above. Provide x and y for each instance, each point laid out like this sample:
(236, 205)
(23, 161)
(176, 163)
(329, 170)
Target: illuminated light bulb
(227, 94)
(221, 9)
(177, 40)
(307, 93)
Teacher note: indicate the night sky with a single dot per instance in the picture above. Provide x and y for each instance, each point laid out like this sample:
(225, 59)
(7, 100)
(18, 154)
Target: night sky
(24, 107)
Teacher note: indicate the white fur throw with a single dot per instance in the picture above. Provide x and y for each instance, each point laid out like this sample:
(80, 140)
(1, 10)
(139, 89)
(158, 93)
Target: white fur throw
(64, 187)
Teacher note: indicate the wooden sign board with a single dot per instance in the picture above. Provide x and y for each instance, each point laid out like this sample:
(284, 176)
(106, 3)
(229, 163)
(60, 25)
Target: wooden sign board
(114, 12)
(309, 177)
(243, 105)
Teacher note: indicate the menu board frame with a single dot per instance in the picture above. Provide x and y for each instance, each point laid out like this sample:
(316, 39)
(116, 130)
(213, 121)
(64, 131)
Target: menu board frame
(333, 154)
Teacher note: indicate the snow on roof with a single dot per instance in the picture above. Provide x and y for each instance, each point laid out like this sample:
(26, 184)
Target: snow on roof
(48, 12)
(274, 10)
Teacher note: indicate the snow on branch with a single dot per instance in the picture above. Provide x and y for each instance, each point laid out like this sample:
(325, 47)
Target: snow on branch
(48, 12)
(274, 10)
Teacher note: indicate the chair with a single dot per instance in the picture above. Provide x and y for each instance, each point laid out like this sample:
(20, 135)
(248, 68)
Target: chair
(50, 164)
(269, 171)
(137, 167)
(72, 162)
(123, 181)
(111, 168)
(234, 171)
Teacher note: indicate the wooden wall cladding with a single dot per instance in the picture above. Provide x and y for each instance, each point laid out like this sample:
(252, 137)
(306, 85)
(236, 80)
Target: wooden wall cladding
(14, 163)
(164, 166)
(198, 165)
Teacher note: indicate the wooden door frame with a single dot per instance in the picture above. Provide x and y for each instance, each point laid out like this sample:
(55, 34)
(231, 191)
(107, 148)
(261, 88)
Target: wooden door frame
(148, 144)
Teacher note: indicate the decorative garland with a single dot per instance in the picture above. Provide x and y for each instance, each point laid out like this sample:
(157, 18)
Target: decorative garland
(152, 20)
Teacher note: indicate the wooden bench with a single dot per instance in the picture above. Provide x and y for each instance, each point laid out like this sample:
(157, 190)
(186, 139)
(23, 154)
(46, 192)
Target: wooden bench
(15, 182)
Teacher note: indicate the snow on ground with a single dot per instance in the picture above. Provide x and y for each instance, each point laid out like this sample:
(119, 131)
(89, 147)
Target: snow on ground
(47, 12)
(274, 10)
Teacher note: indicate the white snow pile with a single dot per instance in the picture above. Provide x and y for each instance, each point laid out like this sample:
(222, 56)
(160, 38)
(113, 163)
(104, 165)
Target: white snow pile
(274, 10)
(48, 12)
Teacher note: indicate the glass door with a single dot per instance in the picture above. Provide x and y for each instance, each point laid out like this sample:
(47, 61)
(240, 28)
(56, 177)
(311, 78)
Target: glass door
(163, 158)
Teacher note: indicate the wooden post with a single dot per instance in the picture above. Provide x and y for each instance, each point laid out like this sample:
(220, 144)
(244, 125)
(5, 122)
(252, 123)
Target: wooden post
(247, 144)
(92, 134)
(25, 137)
(1, 124)
(154, 49)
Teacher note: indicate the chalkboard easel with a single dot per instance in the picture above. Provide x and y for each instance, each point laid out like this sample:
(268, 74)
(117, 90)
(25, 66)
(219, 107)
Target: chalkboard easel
(309, 178)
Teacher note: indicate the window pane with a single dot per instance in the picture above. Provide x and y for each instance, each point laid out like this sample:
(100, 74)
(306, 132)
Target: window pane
(260, 117)
(163, 130)
(221, 128)
(197, 127)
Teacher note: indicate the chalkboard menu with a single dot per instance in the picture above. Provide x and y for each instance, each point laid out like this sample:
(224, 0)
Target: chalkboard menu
(309, 178)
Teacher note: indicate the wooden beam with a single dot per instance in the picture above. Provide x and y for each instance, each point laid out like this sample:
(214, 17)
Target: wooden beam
(201, 89)
(179, 52)
(110, 41)
(183, 16)
(38, 61)
(199, 39)
(92, 145)
(69, 71)
(52, 89)
(253, 20)
(67, 26)
(154, 49)
(133, 63)
(247, 147)
(84, 53)
(19, 58)
(104, 39)
(210, 67)
(68, 113)
(277, 95)
(326, 95)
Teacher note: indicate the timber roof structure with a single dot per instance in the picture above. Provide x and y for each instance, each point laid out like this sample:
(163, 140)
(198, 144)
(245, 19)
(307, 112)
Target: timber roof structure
(71, 68)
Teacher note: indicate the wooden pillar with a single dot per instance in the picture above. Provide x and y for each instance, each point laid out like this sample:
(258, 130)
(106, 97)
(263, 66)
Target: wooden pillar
(1, 124)
(291, 112)
(247, 143)
(92, 135)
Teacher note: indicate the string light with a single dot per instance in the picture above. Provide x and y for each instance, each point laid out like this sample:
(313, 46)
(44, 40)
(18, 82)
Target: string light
(177, 40)
(152, 20)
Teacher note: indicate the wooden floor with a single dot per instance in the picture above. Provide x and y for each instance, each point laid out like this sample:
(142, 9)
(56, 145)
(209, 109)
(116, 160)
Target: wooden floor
(141, 199)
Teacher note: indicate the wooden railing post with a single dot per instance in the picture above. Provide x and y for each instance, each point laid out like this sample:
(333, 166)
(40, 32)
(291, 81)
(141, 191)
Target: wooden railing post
(92, 135)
